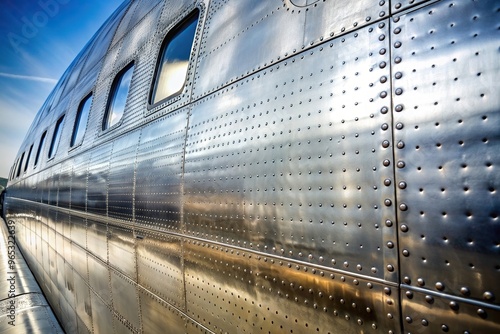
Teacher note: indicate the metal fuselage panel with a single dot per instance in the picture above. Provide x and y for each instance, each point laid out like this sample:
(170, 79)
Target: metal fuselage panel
(329, 167)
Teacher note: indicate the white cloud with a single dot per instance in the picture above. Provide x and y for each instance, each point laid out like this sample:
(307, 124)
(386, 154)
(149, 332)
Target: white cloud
(27, 77)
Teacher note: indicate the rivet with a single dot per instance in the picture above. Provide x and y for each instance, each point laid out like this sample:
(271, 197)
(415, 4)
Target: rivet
(401, 164)
(389, 315)
(386, 162)
(403, 207)
(481, 313)
(406, 252)
(388, 223)
(381, 37)
(382, 64)
(383, 79)
(409, 294)
(400, 144)
(429, 299)
(453, 305)
(404, 228)
(397, 30)
(390, 244)
(397, 44)
(444, 328)
(374, 326)
(385, 144)
(465, 291)
(440, 286)
(407, 280)
(383, 94)
(488, 295)
(425, 322)
(398, 75)
(420, 281)
(398, 5)
(382, 52)
(381, 24)
(387, 290)
(409, 320)
(399, 125)
(390, 267)
(387, 202)
(385, 126)
(402, 185)
(399, 108)
(399, 91)
(384, 110)
(387, 182)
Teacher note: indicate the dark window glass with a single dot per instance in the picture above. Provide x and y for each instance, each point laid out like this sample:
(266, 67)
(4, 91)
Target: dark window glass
(81, 120)
(20, 165)
(174, 60)
(118, 97)
(56, 137)
(40, 147)
(28, 158)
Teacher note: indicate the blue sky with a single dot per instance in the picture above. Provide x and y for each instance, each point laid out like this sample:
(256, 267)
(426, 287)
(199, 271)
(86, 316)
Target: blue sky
(39, 39)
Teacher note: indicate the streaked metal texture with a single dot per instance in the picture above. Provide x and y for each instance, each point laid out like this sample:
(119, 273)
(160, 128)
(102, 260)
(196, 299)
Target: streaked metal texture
(445, 67)
(329, 167)
(23, 307)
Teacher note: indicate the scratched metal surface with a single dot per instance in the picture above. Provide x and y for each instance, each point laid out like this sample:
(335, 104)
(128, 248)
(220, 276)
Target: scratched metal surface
(329, 167)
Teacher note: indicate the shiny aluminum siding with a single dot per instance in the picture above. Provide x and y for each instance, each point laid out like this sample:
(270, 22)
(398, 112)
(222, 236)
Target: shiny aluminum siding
(329, 167)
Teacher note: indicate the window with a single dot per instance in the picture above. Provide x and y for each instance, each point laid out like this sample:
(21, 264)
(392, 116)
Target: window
(19, 167)
(40, 147)
(56, 137)
(28, 158)
(81, 120)
(118, 97)
(173, 63)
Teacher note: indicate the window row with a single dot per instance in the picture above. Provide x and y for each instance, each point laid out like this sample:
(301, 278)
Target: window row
(169, 80)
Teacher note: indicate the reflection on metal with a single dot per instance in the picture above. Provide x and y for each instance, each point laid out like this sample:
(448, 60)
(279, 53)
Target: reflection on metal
(23, 308)
(326, 167)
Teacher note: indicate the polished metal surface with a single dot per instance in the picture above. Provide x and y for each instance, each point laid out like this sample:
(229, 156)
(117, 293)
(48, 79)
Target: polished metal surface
(23, 307)
(327, 167)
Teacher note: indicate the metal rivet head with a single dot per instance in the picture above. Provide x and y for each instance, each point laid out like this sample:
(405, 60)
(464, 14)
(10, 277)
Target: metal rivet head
(385, 144)
(406, 252)
(397, 30)
(390, 267)
(401, 164)
(399, 108)
(404, 228)
(409, 294)
(399, 91)
(383, 94)
(385, 126)
(386, 162)
(398, 75)
(402, 185)
(400, 144)
(387, 290)
(407, 280)
(390, 316)
(398, 5)
(429, 299)
(481, 313)
(398, 60)
(382, 64)
(465, 291)
(397, 44)
(488, 295)
(399, 125)
(388, 223)
(403, 207)
(387, 182)
(384, 110)
(453, 305)
(420, 281)
(444, 328)
(425, 322)
(409, 320)
(440, 286)
(387, 202)
(390, 244)
(383, 79)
